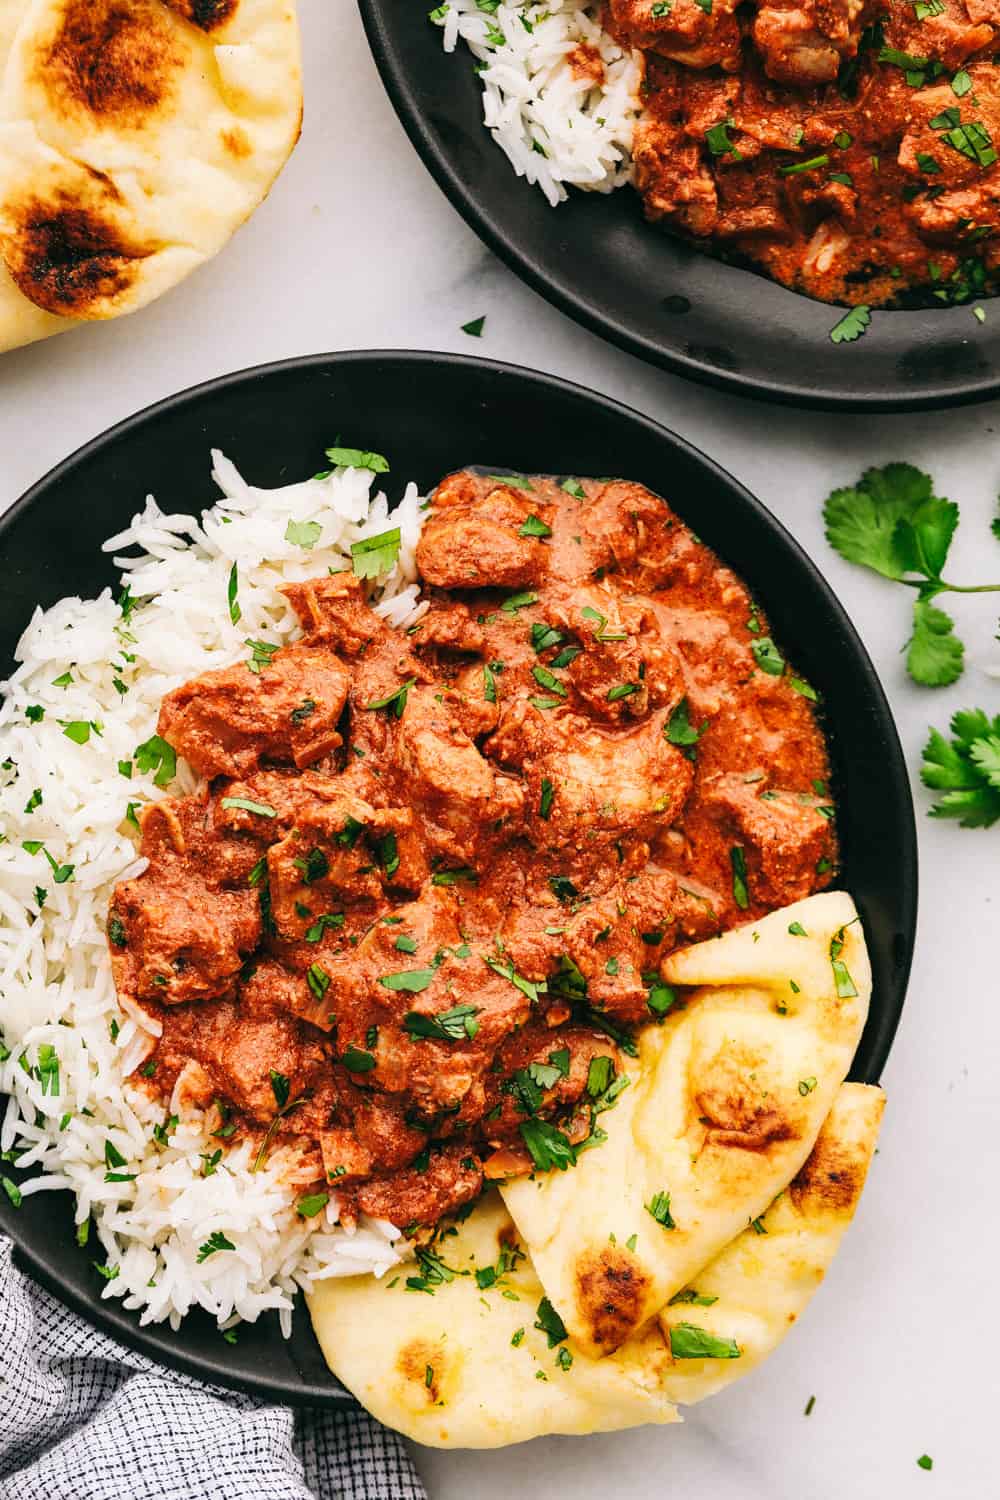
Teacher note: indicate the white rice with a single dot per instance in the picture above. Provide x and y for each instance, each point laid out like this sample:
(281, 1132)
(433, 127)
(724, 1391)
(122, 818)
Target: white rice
(71, 1047)
(558, 129)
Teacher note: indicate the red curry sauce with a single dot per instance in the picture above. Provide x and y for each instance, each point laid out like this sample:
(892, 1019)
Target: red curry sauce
(846, 148)
(430, 877)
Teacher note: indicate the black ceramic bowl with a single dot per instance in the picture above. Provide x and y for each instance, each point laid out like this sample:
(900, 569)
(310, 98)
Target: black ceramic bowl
(598, 260)
(430, 414)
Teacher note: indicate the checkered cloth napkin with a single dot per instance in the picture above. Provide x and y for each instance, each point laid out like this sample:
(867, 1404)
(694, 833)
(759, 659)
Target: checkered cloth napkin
(83, 1418)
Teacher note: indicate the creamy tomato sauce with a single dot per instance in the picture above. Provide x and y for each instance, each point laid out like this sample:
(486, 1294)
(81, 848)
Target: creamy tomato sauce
(405, 930)
(846, 149)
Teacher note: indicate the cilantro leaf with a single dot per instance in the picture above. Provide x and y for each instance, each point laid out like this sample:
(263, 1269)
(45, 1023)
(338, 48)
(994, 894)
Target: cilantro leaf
(358, 458)
(375, 554)
(935, 654)
(851, 326)
(986, 755)
(922, 539)
(861, 519)
(965, 770)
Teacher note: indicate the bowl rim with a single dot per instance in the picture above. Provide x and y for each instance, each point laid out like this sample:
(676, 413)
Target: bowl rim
(393, 70)
(155, 1341)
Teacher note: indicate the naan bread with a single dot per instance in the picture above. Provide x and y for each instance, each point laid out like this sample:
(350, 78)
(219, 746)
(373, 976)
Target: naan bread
(729, 1095)
(135, 137)
(762, 1282)
(463, 1367)
(444, 1368)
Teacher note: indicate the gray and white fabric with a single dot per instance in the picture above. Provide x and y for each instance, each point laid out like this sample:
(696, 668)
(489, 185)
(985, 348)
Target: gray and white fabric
(83, 1418)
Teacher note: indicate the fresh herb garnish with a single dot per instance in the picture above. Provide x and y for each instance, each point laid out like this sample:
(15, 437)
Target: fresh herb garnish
(395, 701)
(358, 1060)
(474, 328)
(548, 1146)
(659, 1207)
(412, 981)
(357, 458)
(767, 656)
(845, 986)
(688, 1341)
(454, 877)
(741, 893)
(851, 326)
(453, 1025)
(550, 1323)
(260, 655)
(892, 522)
(681, 732)
(965, 770)
(375, 554)
(303, 534)
(235, 613)
(246, 805)
(533, 526)
(216, 1241)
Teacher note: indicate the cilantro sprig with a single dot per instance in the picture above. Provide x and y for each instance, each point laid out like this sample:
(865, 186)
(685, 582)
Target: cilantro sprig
(965, 769)
(892, 522)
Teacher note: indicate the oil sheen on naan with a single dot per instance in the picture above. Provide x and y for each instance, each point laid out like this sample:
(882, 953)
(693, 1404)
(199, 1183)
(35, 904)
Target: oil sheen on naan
(135, 137)
(468, 1366)
(727, 1100)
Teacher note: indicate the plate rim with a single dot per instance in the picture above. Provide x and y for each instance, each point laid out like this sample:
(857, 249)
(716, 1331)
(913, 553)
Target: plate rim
(108, 1315)
(395, 80)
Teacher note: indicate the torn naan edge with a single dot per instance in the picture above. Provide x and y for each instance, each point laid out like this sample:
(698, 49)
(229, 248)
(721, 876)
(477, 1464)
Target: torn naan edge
(749, 1297)
(135, 137)
(728, 1097)
(464, 1366)
(462, 1362)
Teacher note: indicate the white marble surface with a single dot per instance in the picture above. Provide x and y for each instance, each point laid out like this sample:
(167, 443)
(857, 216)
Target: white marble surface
(356, 248)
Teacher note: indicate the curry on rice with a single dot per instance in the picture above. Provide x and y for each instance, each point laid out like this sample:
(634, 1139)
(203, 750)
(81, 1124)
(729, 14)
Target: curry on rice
(405, 929)
(846, 149)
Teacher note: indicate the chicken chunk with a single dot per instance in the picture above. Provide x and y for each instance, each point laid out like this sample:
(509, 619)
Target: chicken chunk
(226, 722)
(685, 31)
(603, 782)
(454, 788)
(493, 542)
(179, 933)
(786, 835)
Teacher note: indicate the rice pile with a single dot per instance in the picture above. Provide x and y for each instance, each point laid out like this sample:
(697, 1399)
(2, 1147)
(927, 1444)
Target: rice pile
(171, 1220)
(557, 126)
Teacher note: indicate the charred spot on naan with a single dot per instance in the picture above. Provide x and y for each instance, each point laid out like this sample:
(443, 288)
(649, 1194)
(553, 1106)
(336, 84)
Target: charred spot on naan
(207, 15)
(236, 142)
(735, 1105)
(831, 1178)
(610, 1289)
(423, 1365)
(69, 258)
(116, 59)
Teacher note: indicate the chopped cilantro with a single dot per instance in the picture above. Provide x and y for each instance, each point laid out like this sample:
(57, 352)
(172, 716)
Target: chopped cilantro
(375, 555)
(687, 1341)
(452, 1025)
(659, 1207)
(851, 326)
(216, 1241)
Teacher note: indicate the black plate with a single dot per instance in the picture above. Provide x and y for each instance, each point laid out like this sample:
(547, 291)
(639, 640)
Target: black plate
(596, 259)
(430, 414)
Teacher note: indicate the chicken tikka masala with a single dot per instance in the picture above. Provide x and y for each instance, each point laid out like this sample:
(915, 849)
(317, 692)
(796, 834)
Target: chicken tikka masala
(846, 148)
(404, 930)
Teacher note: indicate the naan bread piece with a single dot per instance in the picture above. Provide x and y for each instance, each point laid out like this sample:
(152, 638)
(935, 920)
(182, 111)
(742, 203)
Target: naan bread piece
(466, 1367)
(21, 322)
(135, 137)
(762, 1282)
(728, 1099)
(462, 1367)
